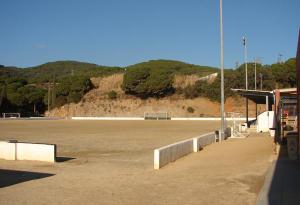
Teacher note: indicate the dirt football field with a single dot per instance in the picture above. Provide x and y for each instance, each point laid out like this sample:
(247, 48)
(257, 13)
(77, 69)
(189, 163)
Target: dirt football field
(111, 162)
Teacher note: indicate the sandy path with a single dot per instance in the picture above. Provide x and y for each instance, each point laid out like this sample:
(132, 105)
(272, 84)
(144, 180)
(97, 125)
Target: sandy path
(113, 165)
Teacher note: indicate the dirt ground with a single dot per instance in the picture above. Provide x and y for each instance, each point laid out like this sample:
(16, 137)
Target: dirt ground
(96, 102)
(111, 162)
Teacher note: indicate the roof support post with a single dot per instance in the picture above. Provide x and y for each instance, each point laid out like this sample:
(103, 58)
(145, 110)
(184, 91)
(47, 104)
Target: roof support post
(267, 103)
(256, 111)
(247, 113)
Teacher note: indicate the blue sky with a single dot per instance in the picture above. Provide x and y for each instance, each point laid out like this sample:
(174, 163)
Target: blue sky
(125, 32)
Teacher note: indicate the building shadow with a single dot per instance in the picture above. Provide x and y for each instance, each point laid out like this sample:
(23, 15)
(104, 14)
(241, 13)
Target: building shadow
(12, 177)
(282, 182)
(63, 159)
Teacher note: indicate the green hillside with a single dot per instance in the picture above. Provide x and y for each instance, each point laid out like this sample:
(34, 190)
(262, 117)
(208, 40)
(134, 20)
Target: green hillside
(7, 72)
(59, 69)
(25, 90)
(175, 67)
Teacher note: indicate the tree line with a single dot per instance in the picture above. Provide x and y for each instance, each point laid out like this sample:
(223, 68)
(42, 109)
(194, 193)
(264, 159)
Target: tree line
(17, 95)
(31, 91)
(144, 81)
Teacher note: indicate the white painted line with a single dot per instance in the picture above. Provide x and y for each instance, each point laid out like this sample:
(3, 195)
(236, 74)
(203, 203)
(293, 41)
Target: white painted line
(108, 118)
(142, 118)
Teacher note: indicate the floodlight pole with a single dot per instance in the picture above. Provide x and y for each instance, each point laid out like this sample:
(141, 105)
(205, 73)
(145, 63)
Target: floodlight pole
(298, 91)
(255, 86)
(222, 71)
(254, 73)
(48, 97)
(261, 76)
(246, 71)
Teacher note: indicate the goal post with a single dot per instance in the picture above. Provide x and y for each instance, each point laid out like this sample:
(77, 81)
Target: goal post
(156, 116)
(236, 122)
(11, 115)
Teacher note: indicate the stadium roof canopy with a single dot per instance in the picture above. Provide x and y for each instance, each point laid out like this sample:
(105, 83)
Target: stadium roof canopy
(257, 96)
(288, 91)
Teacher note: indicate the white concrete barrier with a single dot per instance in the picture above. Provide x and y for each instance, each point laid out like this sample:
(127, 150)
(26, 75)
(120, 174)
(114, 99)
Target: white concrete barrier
(108, 118)
(7, 150)
(142, 118)
(206, 118)
(170, 153)
(204, 140)
(37, 152)
(27, 151)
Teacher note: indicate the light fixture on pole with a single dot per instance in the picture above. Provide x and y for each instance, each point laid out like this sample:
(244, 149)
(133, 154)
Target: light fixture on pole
(245, 59)
(246, 72)
(222, 72)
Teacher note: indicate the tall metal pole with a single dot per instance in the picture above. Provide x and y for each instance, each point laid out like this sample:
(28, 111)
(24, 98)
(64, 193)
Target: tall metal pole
(298, 92)
(255, 86)
(245, 60)
(255, 74)
(261, 76)
(246, 71)
(222, 70)
(49, 96)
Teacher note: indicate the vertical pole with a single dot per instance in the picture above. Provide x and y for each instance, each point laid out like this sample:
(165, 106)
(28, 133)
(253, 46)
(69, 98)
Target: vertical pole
(245, 60)
(222, 70)
(246, 72)
(267, 103)
(255, 86)
(254, 74)
(298, 90)
(49, 96)
(261, 76)
(256, 111)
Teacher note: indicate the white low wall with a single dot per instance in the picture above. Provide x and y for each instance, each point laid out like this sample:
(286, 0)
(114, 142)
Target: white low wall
(8, 151)
(142, 118)
(37, 152)
(207, 118)
(108, 118)
(28, 151)
(203, 140)
(170, 153)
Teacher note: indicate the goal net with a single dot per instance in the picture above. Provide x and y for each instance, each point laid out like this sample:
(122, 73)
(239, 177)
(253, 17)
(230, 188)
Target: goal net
(237, 123)
(11, 115)
(156, 116)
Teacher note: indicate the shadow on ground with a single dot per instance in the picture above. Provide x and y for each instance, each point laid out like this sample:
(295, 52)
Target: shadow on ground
(12, 177)
(282, 183)
(63, 159)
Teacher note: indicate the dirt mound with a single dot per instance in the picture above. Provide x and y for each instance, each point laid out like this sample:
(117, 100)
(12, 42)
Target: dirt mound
(182, 81)
(109, 83)
(97, 102)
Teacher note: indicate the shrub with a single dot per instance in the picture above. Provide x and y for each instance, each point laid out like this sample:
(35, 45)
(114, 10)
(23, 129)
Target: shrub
(190, 109)
(112, 95)
(147, 82)
(60, 101)
(74, 97)
(72, 89)
(190, 92)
